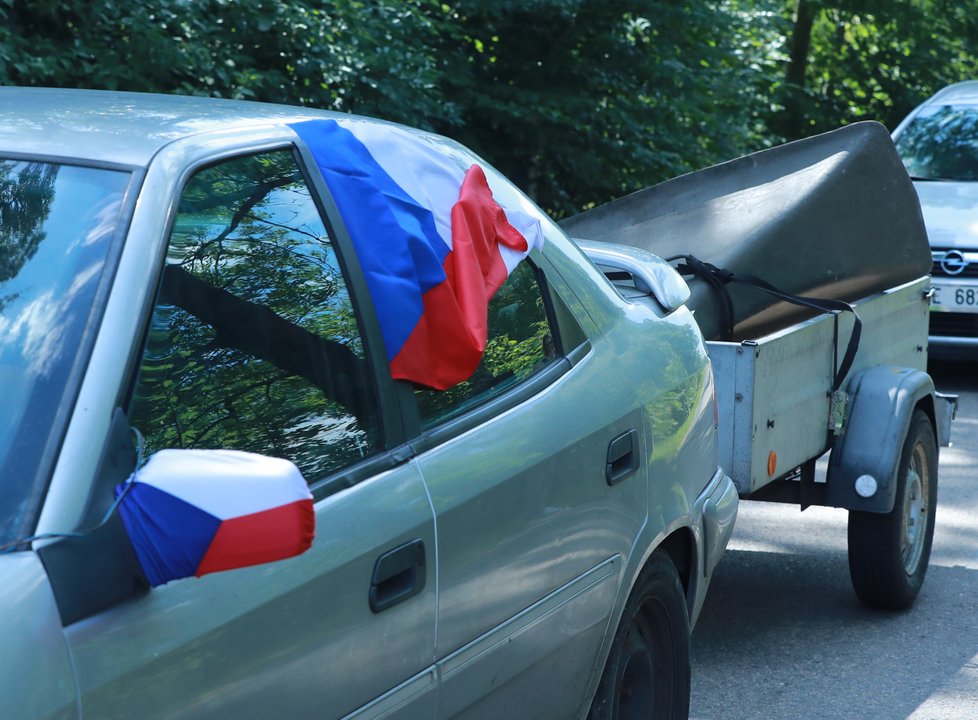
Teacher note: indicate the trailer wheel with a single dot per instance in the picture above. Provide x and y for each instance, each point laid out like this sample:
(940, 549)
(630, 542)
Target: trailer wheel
(647, 674)
(888, 553)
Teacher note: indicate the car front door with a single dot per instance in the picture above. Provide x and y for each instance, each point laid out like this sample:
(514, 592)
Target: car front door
(254, 344)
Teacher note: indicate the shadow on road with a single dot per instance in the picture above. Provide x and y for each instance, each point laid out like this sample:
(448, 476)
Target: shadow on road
(954, 376)
(783, 636)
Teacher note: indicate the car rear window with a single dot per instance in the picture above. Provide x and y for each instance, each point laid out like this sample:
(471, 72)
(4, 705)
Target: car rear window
(941, 143)
(57, 223)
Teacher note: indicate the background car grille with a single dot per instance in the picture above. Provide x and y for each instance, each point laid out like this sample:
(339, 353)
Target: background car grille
(970, 271)
(952, 323)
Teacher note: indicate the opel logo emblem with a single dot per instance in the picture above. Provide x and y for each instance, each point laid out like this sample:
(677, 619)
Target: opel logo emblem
(953, 263)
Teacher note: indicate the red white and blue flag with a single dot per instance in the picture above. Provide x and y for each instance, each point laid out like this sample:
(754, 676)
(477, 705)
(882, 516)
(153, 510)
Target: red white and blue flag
(432, 241)
(180, 525)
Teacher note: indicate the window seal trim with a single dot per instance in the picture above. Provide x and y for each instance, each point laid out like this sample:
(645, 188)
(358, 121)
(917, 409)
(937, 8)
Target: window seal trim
(580, 352)
(368, 467)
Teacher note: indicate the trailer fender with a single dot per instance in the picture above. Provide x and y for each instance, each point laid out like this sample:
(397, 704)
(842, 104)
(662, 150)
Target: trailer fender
(863, 464)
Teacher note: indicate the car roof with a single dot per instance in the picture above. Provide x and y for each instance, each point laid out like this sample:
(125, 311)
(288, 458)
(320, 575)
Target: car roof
(962, 93)
(122, 127)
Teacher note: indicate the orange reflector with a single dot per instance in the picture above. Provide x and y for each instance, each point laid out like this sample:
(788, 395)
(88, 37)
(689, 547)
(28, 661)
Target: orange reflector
(772, 463)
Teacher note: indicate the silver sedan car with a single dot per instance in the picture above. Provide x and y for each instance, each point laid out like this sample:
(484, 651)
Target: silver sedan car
(311, 415)
(938, 142)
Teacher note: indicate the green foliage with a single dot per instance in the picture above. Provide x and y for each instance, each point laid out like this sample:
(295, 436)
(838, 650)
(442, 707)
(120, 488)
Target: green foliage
(26, 194)
(869, 60)
(579, 101)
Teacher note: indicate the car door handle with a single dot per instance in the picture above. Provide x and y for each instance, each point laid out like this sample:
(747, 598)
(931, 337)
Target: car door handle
(398, 575)
(623, 460)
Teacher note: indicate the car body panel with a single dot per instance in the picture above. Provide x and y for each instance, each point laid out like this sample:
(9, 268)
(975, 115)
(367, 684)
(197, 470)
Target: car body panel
(125, 128)
(950, 214)
(36, 675)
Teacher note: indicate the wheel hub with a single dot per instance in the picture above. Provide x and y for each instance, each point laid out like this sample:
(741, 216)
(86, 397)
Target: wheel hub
(914, 513)
(636, 692)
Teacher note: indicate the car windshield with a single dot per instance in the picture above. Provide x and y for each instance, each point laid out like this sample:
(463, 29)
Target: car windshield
(56, 227)
(941, 143)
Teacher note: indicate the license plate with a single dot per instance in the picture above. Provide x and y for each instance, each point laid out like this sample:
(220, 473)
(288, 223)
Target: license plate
(955, 297)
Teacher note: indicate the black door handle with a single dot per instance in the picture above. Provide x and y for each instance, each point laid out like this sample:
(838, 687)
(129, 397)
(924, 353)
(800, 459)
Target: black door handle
(398, 575)
(622, 461)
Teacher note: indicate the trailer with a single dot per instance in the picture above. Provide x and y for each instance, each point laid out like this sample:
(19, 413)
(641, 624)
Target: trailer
(780, 412)
(834, 366)
(787, 400)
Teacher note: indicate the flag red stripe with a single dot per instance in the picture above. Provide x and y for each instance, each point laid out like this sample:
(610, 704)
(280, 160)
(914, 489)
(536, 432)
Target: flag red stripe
(446, 345)
(261, 537)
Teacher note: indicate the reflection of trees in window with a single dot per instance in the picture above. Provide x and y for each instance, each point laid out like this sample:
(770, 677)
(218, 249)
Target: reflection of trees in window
(26, 194)
(254, 344)
(942, 145)
(519, 344)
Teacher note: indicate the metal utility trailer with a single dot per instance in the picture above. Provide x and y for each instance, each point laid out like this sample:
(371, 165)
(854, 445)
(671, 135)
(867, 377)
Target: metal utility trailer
(836, 217)
(778, 415)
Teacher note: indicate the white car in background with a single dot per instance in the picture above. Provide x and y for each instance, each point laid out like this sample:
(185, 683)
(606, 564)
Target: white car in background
(938, 142)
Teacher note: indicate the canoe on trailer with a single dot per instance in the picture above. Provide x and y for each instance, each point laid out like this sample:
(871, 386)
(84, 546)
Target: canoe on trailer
(832, 216)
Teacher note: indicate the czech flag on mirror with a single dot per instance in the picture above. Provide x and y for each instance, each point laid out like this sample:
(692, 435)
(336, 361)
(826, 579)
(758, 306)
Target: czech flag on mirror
(193, 512)
(432, 241)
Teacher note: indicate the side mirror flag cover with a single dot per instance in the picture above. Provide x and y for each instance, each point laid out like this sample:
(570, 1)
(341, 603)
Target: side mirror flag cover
(433, 243)
(193, 512)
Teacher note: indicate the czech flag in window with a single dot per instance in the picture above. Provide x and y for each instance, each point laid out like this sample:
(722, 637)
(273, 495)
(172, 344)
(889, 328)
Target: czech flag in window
(430, 237)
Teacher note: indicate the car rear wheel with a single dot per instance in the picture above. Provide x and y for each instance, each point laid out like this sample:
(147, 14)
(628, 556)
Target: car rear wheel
(889, 553)
(647, 673)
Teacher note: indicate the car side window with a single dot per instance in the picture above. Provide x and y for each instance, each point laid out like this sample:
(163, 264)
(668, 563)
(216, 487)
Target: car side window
(521, 341)
(254, 343)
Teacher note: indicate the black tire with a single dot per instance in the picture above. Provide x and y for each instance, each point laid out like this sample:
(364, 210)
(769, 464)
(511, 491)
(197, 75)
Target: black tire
(889, 553)
(647, 673)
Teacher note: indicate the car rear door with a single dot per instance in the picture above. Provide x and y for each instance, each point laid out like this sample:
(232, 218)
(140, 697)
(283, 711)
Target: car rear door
(534, 525)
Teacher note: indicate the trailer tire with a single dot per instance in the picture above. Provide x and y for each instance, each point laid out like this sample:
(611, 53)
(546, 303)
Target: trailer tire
(647, 675)
(889, 552)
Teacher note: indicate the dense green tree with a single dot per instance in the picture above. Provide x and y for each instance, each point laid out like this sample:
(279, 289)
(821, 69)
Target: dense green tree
(850, 60)
(578, 100)
(370, 56)
(582, 100)
(26, 194)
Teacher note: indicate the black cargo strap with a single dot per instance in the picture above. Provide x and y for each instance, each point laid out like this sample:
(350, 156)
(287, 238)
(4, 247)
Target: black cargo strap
(717, 278)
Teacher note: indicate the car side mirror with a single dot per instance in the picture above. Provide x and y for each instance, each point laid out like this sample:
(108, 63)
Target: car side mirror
(645, 272)
(194, 512)
(106, 562)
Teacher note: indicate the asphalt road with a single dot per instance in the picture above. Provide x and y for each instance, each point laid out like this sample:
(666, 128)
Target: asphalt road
(782, 636)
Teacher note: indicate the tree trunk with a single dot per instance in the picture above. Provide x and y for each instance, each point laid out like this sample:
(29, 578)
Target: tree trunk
(801, 39)
(258, 331)
(793, 123)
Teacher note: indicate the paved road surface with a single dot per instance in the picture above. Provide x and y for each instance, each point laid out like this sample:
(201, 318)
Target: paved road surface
(782, 636)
